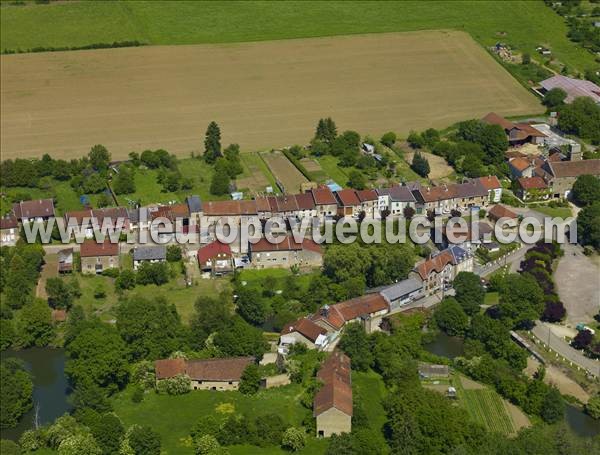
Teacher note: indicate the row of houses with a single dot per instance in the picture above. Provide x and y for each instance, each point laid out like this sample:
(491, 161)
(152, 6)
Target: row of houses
(320, 202)
(320, 330)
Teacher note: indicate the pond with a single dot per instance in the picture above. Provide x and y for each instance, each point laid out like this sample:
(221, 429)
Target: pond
(50, 391)
(581, 423)
(446, 346)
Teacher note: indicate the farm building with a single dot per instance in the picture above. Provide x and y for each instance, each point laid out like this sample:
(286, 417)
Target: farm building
(573, 87)
(402, 293)
(208, 374)
(325, 202)
(332, 405)
(97, 257)
(37, 210)
(348, 203)
(368, 310)
(501, 211)
(285, 254)
(517, 133)
(109, 219)
(433, 371)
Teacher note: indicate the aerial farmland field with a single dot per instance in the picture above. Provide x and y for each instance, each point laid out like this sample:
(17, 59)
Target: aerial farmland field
(284, 171)
(267, 94)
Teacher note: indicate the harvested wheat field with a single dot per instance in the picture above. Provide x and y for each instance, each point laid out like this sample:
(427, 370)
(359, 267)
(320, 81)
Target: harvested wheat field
(263, 95)
(284, 171)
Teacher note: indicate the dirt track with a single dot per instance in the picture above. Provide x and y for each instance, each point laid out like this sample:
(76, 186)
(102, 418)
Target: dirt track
(264, 95)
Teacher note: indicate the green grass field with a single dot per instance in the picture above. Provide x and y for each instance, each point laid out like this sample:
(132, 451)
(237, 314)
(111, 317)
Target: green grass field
(174, 416)
(561, 212)
(523, 24)
(485, 406)
(174, 292)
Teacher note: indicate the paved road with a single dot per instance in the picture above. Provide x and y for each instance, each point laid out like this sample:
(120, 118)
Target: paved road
(542, 332)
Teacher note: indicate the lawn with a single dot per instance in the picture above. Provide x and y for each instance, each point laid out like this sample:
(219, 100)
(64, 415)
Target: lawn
(174, 292)
(524, 24)
(560, 212)
(173, 416)
(149, 191)
(491, 298)
(370, 388)
(484, 406)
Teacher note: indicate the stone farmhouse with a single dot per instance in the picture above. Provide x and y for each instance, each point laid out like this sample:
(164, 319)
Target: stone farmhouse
(98, 256)
(37, 210)
(207, 374)
(288, 253)
(303, 331)
(332, 405)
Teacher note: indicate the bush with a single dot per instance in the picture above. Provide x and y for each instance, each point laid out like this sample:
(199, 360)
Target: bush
(250, 380)
(138, 395)
(293, 439)
(178, 385)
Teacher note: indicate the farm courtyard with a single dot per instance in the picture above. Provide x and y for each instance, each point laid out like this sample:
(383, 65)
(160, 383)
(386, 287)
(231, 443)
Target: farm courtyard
(163, 97)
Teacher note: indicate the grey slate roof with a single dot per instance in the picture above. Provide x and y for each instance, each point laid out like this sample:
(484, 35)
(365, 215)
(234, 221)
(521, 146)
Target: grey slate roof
(150, 253)
(396, 291)
(397, 193)
(194, 203)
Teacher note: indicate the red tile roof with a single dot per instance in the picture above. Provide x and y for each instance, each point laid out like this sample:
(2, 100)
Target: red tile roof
(42, 208)
(168, 368)
(8, 222)
(230, 208)
(575, 168)
(97, 216)
(171, 212)
(520, 164)
(366, 195)
(336, 391)
(359, 306)
(305, 201)
(435, 264)
(323, 196)
(262, 204)
(287, 203)
(500, 211)
(347, 198)
(532, 183)
(59, 315)
(490, 182)
(91, 248)
(288, 244)
(228, 369)
(494, 119)
(211, 250)
(305, 327)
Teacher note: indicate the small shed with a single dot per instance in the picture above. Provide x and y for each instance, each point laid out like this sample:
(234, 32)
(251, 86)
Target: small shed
(433, 371)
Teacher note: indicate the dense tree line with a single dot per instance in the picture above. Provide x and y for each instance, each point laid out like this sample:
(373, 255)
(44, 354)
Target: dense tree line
(15, 393)
(581, 118)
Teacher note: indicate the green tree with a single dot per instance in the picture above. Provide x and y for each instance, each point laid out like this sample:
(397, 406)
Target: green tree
(34, 325)
(174, 253)
(208, 445)
(8, 447)
(469, 291)
(250, 380)
(220, 183)
(326, 130)
(588, 225)
(451, 318)
(582, 118)
(356, 180)
(211, 315)
(388, 139)
(79, 443)
(554, 97)
(15, 393)
(553, 406)
(98, 354)
(212, 143)
(238, 338)
(420, 165)
(99, 157)
(250, 305)
(232, 159)
(151, 328)
(153, 273)
(586, 190)
(59, 293)
(124, 182)
(293, 439)
(355, 344)
(415, 140)
(107, 430)
(126, 280)
(592, 407)
(18, 283)
(144, 441)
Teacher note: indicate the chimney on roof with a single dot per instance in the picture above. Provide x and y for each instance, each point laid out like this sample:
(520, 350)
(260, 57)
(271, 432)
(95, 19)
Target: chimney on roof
(325, 310)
